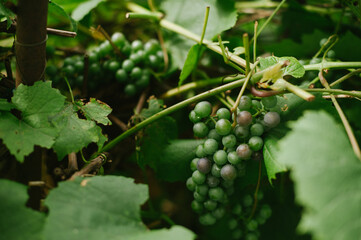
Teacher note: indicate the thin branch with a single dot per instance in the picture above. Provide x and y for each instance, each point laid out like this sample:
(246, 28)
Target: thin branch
(93, 166)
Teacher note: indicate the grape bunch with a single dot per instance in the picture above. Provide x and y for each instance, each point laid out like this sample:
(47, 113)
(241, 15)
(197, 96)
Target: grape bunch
(132, 69)
(223, 156)
(239, 224)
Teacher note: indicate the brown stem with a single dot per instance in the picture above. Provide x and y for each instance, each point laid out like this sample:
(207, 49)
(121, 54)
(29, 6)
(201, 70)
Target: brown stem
(106, 35)
(72, 162)
(260, 93)
(93, 166)
(62, 33)
(85, 76)
(9, 72)
(118, 122)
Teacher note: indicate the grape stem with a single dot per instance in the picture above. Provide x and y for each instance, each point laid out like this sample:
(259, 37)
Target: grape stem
(332, 65)
(256, 191)
(344, 120)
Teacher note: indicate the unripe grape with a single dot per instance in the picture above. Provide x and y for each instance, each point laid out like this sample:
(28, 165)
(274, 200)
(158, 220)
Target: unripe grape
(257, 129)
(233, 158)
(216, 193)
(245, 103)
(200, 151)
(252, 225)
(269, 102)
(228, 172)
(219, 212)
(220, 157)
(247, 201)
(193, 164)
(216, 171)
(271, 119)
(241, 132)
(229, 141)
(244, 151)
(204, 165)
(223, 127)
(255, 143)
(200, 129)
(232, 224)
(202, 189)
(244, 118)
(210, 146)
(193, 117)
(203, 109)
(212, 181)
(256, 104)
(198, 197)
(223, 113)
(214, 135)
(207, 219)
(197, 206)
(210, 205)
(198, 177)
(191, 184)
(257, 156)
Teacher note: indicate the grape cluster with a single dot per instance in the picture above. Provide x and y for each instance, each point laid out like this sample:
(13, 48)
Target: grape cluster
(239, 224)
(132, 69)
(222, 157)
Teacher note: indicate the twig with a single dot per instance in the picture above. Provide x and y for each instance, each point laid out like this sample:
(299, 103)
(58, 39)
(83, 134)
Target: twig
(118, 122)
(141, 101)
(106, 35)
(344, 120)
(62, 33)
(72, 162)
(9, 72)
(347, 76)
(93, 166)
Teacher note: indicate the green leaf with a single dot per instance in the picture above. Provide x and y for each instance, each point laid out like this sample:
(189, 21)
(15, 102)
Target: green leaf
(84, 8)
(270, 150)
(327, 175)
(102, 207)
(5, 105)
(190, 63)
(345, 48)
(294, 69)
(20, 137)
(56, 9)
(190, 15)
(154, 106)
(96, 110)
(172, 163)
(38, 102)
(6, 12)
(74, 133)
(16, 220)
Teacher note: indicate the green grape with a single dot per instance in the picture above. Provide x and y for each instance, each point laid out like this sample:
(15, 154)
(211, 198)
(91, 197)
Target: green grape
(218, 212)
(151, 47)
(197, 206)
(198, 197)
(245, 103)
(220, 157)
(216, 193)
(257, 129)
(143, 81)
(127, 65)
(210, 146)
(50, 51)
(214, 135)
(331, 54)
(118, 39)
(127, 49)
(228, 172)
(255, 143)
(202, 189)
(251, 236)
(200, 129)
(200, 151)
(212, 181)
(198, 177)
(323, 41)
(237, 210)
(207, 219)
(244, 151)
(252, 225)
(79, 80)
(229, 141)
(130, 89)
(51, 70)
(194, 118)
(223, 113)
(79, 66)
(121, 76)
(247, 201)
(269, 102)
(69, 71)
(153, 61)
(203, 109)
(256, 104)
(266, 211)
(233, 158)
(223, 127)
(257, 156)
(113, 66)
(193, 164)
(136, 73)
(237, 234)
(315, 60)
(69, 61)
(136, 45)
(241, 132)
(191, 184)
(136, 58)
(210, 205)
(95, 70)
(216, 171)
(93, 57)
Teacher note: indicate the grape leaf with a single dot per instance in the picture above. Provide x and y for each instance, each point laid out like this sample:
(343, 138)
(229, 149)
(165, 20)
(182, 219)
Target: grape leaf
(154, 106)
(74, 133)
(294, 69)
(190, 63)
(38, 102)
(16, 220)
(56, 9)
(20, 137)
(5, 105)
(102, 207)
(292, 108)
(327, 176)
(96, 110)
(84, 8)
(6, 12)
